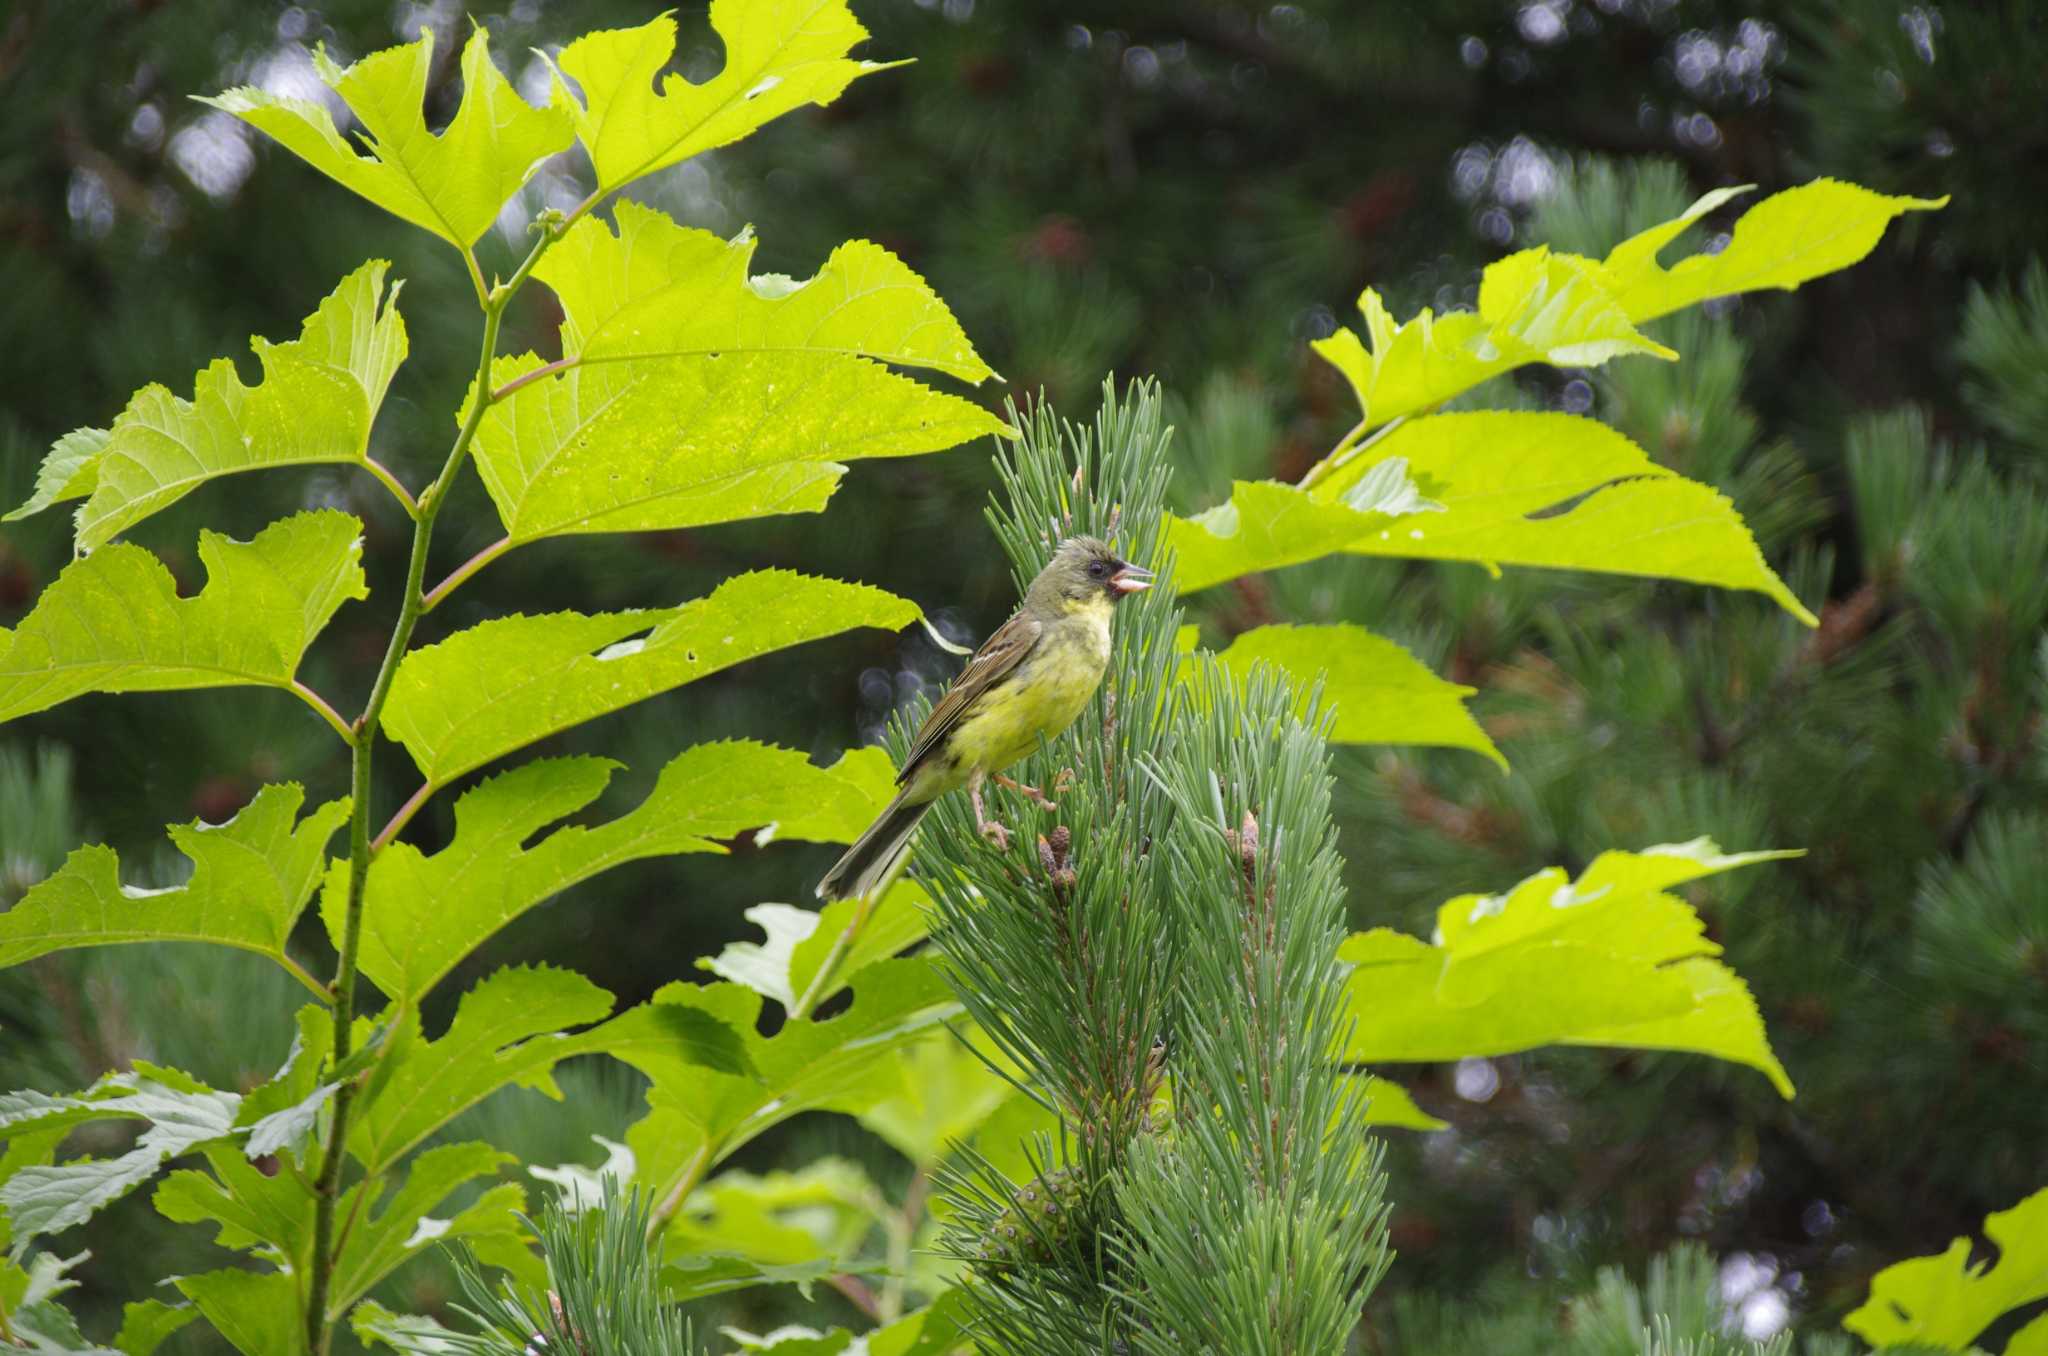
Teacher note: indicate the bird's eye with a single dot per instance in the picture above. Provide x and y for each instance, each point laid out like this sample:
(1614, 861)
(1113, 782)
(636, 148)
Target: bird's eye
(1097, 570)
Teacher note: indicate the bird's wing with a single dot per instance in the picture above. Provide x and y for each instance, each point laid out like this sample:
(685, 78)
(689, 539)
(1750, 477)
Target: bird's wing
(998, 656)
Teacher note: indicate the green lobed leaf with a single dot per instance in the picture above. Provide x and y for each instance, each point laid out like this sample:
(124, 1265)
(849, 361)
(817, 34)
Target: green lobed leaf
(1391, 1104)
(1550, 490)
(1610, 959)
(146, 1324)
(801, 941)
(318, 398)
(941, 1092)
(493, 870)
(1377, 692)
(1944, 1301)
(250, 878)
(113, 622)
(179, 1114)
(506, 683)
(779, 56)
(819, 1212)
(31, 1318)
(70, 471)
(1534, 306)
(1570, 311)
(705, 395)
(1787, 239)
(807, 1065)
(402, 1227)
(452, 183)
(256, 1311)
(508, 1031)
(253, 1210)
(699, 1275)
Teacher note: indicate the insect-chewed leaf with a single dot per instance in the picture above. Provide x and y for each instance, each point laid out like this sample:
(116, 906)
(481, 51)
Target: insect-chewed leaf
(250, 878)
(1944, 1302)
(1610, 959)
(113, 622)
(1787, 239)
(1376, 692)
(485, 877)
(704, 395)
(401, 1227)
(779, 56)
(509, 1030)
(501, 685)
(452, 183)
(319, 395)
(1551, 490)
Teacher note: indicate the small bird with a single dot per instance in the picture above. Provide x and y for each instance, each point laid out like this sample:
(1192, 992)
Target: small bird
(1031, 678)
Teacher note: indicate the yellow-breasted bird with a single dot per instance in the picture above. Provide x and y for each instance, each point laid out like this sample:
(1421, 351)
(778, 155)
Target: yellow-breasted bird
(1031, 678)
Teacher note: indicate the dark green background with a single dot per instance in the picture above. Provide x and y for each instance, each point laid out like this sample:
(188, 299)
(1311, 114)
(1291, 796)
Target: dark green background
(1193, 189)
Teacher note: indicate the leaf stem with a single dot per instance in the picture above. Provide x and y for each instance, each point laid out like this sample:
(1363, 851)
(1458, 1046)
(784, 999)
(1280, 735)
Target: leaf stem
(326, 712)
(544, 370)
(1348, 449)
(821, 982)
(404, 496)
(299, 972)
(476, 277)
(403, 817)
(319, 1326)
(465, 570)
(685, 1183)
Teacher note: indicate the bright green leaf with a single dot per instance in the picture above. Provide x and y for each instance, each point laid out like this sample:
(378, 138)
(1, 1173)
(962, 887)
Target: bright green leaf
(70, 471)
(807, 1065)
(779, 55)
(800, 941)
(250, 878)
(319, 395)
(818, 1212)
(1391, 1104)
(1610, 959)
(485, 877)
(401, 1227)
(1787, 239)
(501, 685)
(179, 1115)
(1534, 307)
(31, 1318)
(2031, 1340)
(508, 1031)
(1944, 1301)
(256, 1311)
(113, 622)
(1550, 490)
(942, 1092)
(681, 352)
(252, 1209)
(698, 1275)
(452, 184)
(145, 1324)
(1377, 692)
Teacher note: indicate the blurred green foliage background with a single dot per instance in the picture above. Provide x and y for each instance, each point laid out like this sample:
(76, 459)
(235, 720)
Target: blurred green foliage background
(1196, 188)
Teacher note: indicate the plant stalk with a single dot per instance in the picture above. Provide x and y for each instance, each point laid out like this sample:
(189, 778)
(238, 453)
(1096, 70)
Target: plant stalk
(319, 1326)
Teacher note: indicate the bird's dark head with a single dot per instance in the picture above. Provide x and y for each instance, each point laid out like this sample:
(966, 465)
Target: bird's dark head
(1084, 571)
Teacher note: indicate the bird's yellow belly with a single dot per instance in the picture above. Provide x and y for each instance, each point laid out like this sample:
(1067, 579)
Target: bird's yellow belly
(1044, 696)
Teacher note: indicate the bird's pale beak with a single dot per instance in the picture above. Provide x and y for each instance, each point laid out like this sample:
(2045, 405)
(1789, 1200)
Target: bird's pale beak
(1131, 579)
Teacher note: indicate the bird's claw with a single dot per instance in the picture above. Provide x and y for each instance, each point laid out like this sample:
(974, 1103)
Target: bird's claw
(1030, 793)
(995, 833)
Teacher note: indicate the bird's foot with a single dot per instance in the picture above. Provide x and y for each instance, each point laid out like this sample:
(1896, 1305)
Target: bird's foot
(994, 832)
(1030, 793)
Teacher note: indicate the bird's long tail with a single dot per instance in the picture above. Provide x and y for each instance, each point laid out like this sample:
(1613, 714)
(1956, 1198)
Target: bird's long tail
(875, 853)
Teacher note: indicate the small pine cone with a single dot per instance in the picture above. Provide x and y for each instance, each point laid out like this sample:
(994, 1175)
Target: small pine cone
(1045, 1217)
